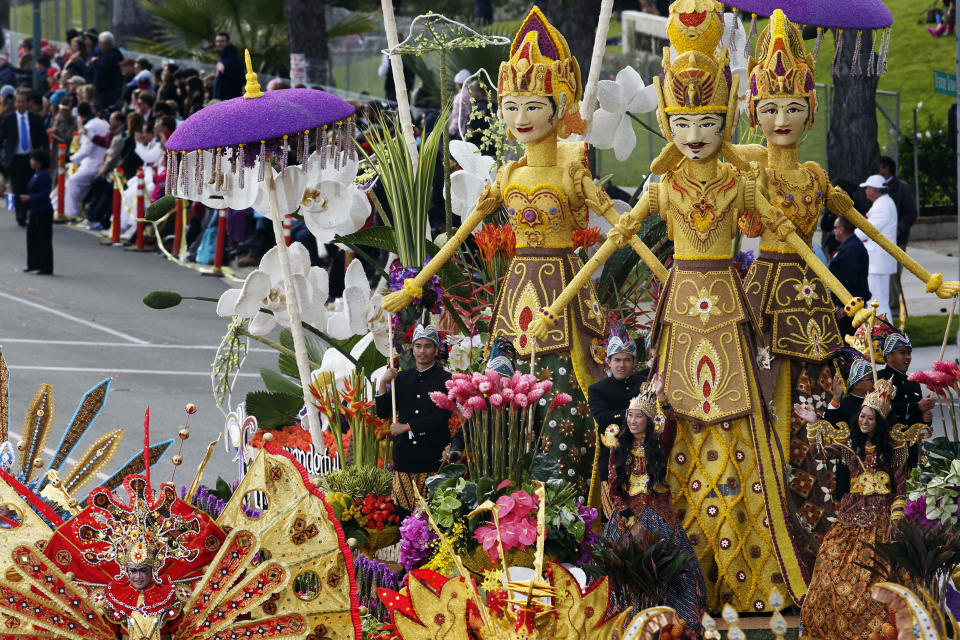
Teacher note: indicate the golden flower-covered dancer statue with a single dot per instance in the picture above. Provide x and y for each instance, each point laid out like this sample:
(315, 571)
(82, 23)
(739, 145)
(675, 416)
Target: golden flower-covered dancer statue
(790, 301)
(725, 470)
(547, 194)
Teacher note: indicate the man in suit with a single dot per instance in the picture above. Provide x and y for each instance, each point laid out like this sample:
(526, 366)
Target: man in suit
(850, 264)
(21, 131)
(422, 429)
(229, 77)
(902, 196)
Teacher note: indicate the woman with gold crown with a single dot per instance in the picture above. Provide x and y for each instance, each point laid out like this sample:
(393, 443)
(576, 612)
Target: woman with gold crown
(788, 298)
(546, 194)
(838, 603)
(641, 501)
(725, 470)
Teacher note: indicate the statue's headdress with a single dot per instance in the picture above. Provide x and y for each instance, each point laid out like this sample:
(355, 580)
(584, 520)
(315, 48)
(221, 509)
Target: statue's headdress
(881, 397)
(699, 79)
(540, 64)
(782, 67)
(646, 401)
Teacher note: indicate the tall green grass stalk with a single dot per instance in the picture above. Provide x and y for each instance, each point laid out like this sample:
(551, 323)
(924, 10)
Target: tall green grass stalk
(408, 191)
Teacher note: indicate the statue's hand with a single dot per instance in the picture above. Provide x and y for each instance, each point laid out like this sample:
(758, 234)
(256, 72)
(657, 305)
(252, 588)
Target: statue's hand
(862, 316)
(839, 202)
(624, 229)
(397, 301)
(948, 289)
(784, 229)
(542, 324)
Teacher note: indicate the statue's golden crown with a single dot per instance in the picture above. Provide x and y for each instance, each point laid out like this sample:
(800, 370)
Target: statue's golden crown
(698, 79)
(782, 68)
(540, 64)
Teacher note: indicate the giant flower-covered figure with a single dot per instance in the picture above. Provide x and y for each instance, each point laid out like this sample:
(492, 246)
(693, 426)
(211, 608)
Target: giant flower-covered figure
(547, 194)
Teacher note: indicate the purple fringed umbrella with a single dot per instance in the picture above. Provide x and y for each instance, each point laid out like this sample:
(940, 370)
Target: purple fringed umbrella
(208, 156)
(865, 16)
(854, 14)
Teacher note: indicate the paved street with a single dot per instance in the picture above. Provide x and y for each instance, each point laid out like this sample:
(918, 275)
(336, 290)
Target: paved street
(87, 323)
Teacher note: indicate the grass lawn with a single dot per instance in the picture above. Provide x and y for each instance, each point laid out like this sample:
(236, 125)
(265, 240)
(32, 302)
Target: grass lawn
(927, 331)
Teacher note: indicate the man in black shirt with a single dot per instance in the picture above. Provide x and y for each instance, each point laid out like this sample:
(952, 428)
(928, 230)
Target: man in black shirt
(420, 429)
(909, 406)
(609, 398)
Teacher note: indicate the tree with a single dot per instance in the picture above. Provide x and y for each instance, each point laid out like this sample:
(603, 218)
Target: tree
(853, 152)
(307, 32)
(577, 21)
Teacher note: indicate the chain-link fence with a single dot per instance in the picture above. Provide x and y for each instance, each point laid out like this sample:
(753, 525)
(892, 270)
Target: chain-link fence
(56, 16)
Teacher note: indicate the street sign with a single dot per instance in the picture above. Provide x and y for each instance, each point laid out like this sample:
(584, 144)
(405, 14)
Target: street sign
(945, 83)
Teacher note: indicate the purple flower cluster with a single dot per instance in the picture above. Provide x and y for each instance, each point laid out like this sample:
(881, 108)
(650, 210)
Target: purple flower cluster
(591, 538)
(371, 575)
(916, 511)
(743, 260)
(206, 501)
(415, 539)
(432, 292)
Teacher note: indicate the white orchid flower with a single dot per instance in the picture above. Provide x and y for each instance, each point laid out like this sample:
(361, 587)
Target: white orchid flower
(612, 128)
(289, 187)
(264, 288)
(361, 311)
(735, 39)
(336, 363)
(464, 351)
(467, 183)
(331, 204)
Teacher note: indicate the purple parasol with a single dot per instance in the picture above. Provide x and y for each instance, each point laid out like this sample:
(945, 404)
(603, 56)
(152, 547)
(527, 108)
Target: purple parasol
(856, 14)
(209, 150)
(247, 120)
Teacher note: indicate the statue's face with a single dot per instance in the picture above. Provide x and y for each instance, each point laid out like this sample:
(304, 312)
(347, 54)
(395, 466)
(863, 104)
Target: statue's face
(783, 120)
(530, 118)
(140, 575)
(697, 135)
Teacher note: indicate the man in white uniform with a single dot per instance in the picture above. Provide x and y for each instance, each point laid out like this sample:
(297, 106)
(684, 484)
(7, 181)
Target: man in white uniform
(882, 215)
(93, 146)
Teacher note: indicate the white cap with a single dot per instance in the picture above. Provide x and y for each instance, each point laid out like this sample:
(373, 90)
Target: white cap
(461, 76)
(876, 181)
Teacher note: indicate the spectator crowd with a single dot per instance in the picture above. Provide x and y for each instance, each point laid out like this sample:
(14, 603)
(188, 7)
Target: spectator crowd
(115, 114)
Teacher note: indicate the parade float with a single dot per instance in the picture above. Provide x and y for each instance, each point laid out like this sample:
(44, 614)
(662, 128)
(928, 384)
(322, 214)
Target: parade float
(503, 544)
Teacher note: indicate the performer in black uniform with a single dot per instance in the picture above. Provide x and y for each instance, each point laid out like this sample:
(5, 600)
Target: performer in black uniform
(422, 429)
(609, 398)
(909, 405)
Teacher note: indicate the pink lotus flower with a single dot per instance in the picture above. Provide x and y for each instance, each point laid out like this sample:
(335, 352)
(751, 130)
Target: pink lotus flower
(441, 400)
(949, 368)
(920, 377)
(523, 386)
(476, 403)
(507, 394)
(520, 400)
(485, 386)
(496, 400)
(494, 377)
(547, 386)
(535, 394)
(560, 400)
(939, 381)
